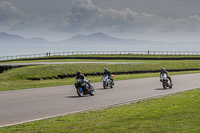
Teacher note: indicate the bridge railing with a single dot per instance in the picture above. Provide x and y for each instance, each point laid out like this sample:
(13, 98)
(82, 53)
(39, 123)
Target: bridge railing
(99, 53)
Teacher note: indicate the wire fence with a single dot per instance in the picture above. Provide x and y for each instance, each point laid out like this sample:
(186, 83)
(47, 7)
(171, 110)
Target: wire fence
(48, 54)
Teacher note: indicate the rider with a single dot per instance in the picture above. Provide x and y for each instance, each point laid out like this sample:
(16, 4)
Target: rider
(107, 72)
(164, 71)
(79, 75)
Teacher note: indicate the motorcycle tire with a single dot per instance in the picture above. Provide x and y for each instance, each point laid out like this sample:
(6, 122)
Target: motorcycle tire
(92, 91)
(171, 86)
(112, 85)
(104, 85)
(164, 85)
(80, 92)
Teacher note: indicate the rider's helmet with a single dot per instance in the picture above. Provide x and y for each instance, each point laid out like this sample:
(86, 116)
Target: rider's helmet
(106, 70)
(162, 69)
(78, 73)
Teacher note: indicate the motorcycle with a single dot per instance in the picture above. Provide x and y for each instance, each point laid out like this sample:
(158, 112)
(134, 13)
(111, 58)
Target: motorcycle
(83, 88)
(165, 81)
(107, 82)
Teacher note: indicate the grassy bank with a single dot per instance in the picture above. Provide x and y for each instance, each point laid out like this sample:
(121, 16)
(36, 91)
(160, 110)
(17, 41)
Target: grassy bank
(54, 70)
(178, 113)
(17, 78)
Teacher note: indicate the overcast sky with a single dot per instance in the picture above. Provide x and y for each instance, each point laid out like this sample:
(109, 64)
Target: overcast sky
(161, 20)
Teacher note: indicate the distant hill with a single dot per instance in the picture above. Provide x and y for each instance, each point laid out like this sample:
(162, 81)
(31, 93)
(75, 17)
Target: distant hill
(101, 38)
(7, 39)
(91, 39)
(94, 39)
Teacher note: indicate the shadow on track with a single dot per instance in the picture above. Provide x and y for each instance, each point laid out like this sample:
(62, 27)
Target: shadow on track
(162, 89)
(104, 89)
(159, 89)
(77, 96)
(72, 97)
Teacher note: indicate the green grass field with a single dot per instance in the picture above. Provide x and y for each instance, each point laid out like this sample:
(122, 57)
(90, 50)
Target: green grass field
(17, 78)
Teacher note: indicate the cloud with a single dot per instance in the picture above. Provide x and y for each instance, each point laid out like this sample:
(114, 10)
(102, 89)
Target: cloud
(87, 17)
(84, 16)
(13, 18)
(9, 15)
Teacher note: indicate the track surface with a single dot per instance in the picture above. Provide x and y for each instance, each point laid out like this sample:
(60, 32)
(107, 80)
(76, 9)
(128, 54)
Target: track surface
(34, 104)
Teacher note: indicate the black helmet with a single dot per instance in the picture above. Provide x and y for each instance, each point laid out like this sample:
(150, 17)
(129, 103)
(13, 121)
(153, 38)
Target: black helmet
(78, 73)
(106, 70)
(162, 69)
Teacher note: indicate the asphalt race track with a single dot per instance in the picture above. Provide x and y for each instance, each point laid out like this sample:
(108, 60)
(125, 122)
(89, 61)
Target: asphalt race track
(34, 104)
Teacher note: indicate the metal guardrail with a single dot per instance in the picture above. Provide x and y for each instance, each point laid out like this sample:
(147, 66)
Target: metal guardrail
(100, 53)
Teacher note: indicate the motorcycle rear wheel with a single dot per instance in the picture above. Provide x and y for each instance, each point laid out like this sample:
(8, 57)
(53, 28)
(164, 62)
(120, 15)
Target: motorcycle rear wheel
(92, 91)
(112, 85)
(164, 85)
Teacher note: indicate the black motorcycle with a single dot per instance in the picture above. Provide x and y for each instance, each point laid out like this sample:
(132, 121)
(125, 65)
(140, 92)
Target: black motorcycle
(83, 87)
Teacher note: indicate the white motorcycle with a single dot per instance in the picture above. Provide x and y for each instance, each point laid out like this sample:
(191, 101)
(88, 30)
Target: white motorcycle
(107, 82)
(165, 81)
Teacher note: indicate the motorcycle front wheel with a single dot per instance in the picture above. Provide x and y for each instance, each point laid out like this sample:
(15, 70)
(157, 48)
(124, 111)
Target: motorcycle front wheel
(80, 92)
(104, 85)
(164, 85)
(171, 85)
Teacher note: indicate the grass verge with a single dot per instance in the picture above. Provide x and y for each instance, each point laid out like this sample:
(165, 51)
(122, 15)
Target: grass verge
(54, 70)
(15, 79)
(178, 113)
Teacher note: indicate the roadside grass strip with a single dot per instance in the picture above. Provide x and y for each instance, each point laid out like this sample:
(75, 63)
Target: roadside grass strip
(177, 113)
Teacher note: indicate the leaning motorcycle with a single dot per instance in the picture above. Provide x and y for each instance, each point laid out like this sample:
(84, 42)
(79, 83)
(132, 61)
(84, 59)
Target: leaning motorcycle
(165, 81)
(83, 88)
(107, 82)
